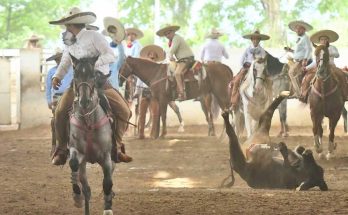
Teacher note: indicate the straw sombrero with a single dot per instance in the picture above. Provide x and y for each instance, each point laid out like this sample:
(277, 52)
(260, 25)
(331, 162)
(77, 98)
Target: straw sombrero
(162, 31)
(256, 34)
(138, 33)
(120, 33)
(75, 16)
(92, 27)
(293, 24)
(214, 34)
(333, 36)
(58, 53)
(161, 55)
(34, 37)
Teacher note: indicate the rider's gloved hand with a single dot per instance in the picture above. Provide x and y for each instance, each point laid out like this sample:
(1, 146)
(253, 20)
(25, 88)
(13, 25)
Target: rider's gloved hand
(56, 83)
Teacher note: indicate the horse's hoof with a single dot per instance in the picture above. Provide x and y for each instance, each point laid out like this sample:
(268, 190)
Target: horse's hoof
(108, 212)
(329, 156)
(280, 134)
(285, 93)
(181, 129)
(285, 134)
(78, 200)
(321, 155)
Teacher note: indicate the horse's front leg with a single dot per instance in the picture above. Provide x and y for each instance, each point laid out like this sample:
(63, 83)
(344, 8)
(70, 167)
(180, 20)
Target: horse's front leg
(74, 166)
(317, 118)
(85, 186)
(332, 125)
(155, 118)
(107, 185)
(163, 111)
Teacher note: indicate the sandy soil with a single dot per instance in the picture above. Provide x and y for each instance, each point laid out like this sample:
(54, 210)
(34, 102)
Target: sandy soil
(177, 175)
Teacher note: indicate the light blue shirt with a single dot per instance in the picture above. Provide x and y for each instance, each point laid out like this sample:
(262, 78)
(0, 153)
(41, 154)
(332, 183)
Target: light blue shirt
(250, 53)
(50, 92)
(115, 66)
(133, 51)
(303, 48)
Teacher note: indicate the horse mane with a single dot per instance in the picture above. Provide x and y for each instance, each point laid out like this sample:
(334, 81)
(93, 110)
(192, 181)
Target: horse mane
(324, 48)
(274, 66)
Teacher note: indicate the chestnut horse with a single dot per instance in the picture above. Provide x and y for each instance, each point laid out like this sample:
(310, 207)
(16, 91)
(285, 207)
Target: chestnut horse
(155, 76)
(325, 99)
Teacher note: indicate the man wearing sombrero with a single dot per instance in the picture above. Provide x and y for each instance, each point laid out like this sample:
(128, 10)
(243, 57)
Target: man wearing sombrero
(33, 42)
(213, 50)
(180, 52)
(302, 54)
(133, 45)
(115, 30)
(53, 95)
(248, 57)
(82, 43)
(324, 37)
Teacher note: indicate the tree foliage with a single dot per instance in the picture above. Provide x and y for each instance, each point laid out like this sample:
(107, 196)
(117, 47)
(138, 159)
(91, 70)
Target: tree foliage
(19, 19)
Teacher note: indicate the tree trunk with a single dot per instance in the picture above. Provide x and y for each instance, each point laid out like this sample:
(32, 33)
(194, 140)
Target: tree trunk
(8, 20)
(272, 9)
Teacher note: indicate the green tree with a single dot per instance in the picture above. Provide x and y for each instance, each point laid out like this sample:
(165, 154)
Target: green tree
(21, 18)
(141, 14)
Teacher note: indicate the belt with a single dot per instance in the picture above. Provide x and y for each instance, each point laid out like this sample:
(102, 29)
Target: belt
(58, 94)
(211, 61)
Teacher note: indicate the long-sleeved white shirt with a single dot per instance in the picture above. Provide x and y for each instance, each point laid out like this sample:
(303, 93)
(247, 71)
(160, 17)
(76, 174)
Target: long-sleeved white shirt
(134, 50)
(88, 44)
(250, 52)
(213, 50)
(303, 48)
(333, 53)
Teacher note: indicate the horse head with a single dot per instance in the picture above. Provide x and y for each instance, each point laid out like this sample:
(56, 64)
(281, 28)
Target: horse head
(322, 59)
(84, 80)
(259, 72)
(125, 71)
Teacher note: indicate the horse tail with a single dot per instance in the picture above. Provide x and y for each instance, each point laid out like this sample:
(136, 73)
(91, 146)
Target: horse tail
(215, 107)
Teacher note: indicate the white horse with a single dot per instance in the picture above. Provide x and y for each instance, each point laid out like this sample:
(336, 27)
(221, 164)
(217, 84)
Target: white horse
(256, 95)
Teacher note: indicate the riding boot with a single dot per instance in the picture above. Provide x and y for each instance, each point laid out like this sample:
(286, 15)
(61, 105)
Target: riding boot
(122, 114)
(236, 82)
(61, 125)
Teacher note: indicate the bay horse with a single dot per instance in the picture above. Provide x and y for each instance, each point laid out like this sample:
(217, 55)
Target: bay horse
(269, 165)
(256, 95)
(90, 138)
(325, 100)
(155, 76)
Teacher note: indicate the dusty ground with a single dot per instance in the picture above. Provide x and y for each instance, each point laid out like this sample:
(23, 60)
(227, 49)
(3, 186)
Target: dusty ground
(178, 175)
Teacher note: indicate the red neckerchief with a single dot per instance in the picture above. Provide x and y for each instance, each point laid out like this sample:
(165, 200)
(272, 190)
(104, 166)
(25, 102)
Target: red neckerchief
(129, 44)
(170, 43)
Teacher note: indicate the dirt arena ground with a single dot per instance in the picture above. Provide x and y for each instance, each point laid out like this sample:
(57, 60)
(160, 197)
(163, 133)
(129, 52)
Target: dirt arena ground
(177, 175)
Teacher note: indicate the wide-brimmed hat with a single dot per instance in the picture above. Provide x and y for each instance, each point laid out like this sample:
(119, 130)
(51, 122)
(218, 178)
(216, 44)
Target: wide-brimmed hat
(76, 16)
(138, 33)
(214, 34)
(120, 31)
(256, 34)
(162, 31)
(161, 55)
(92, 27)
(293, 24)
(34, 37)
(333, 36)
(58, 53)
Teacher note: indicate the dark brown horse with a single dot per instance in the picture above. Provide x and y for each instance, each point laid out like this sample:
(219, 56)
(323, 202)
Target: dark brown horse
(325, 99)
(155, 76)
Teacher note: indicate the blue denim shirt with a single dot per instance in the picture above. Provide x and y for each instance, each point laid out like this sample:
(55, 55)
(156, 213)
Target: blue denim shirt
(115, 67)
(50, 92)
